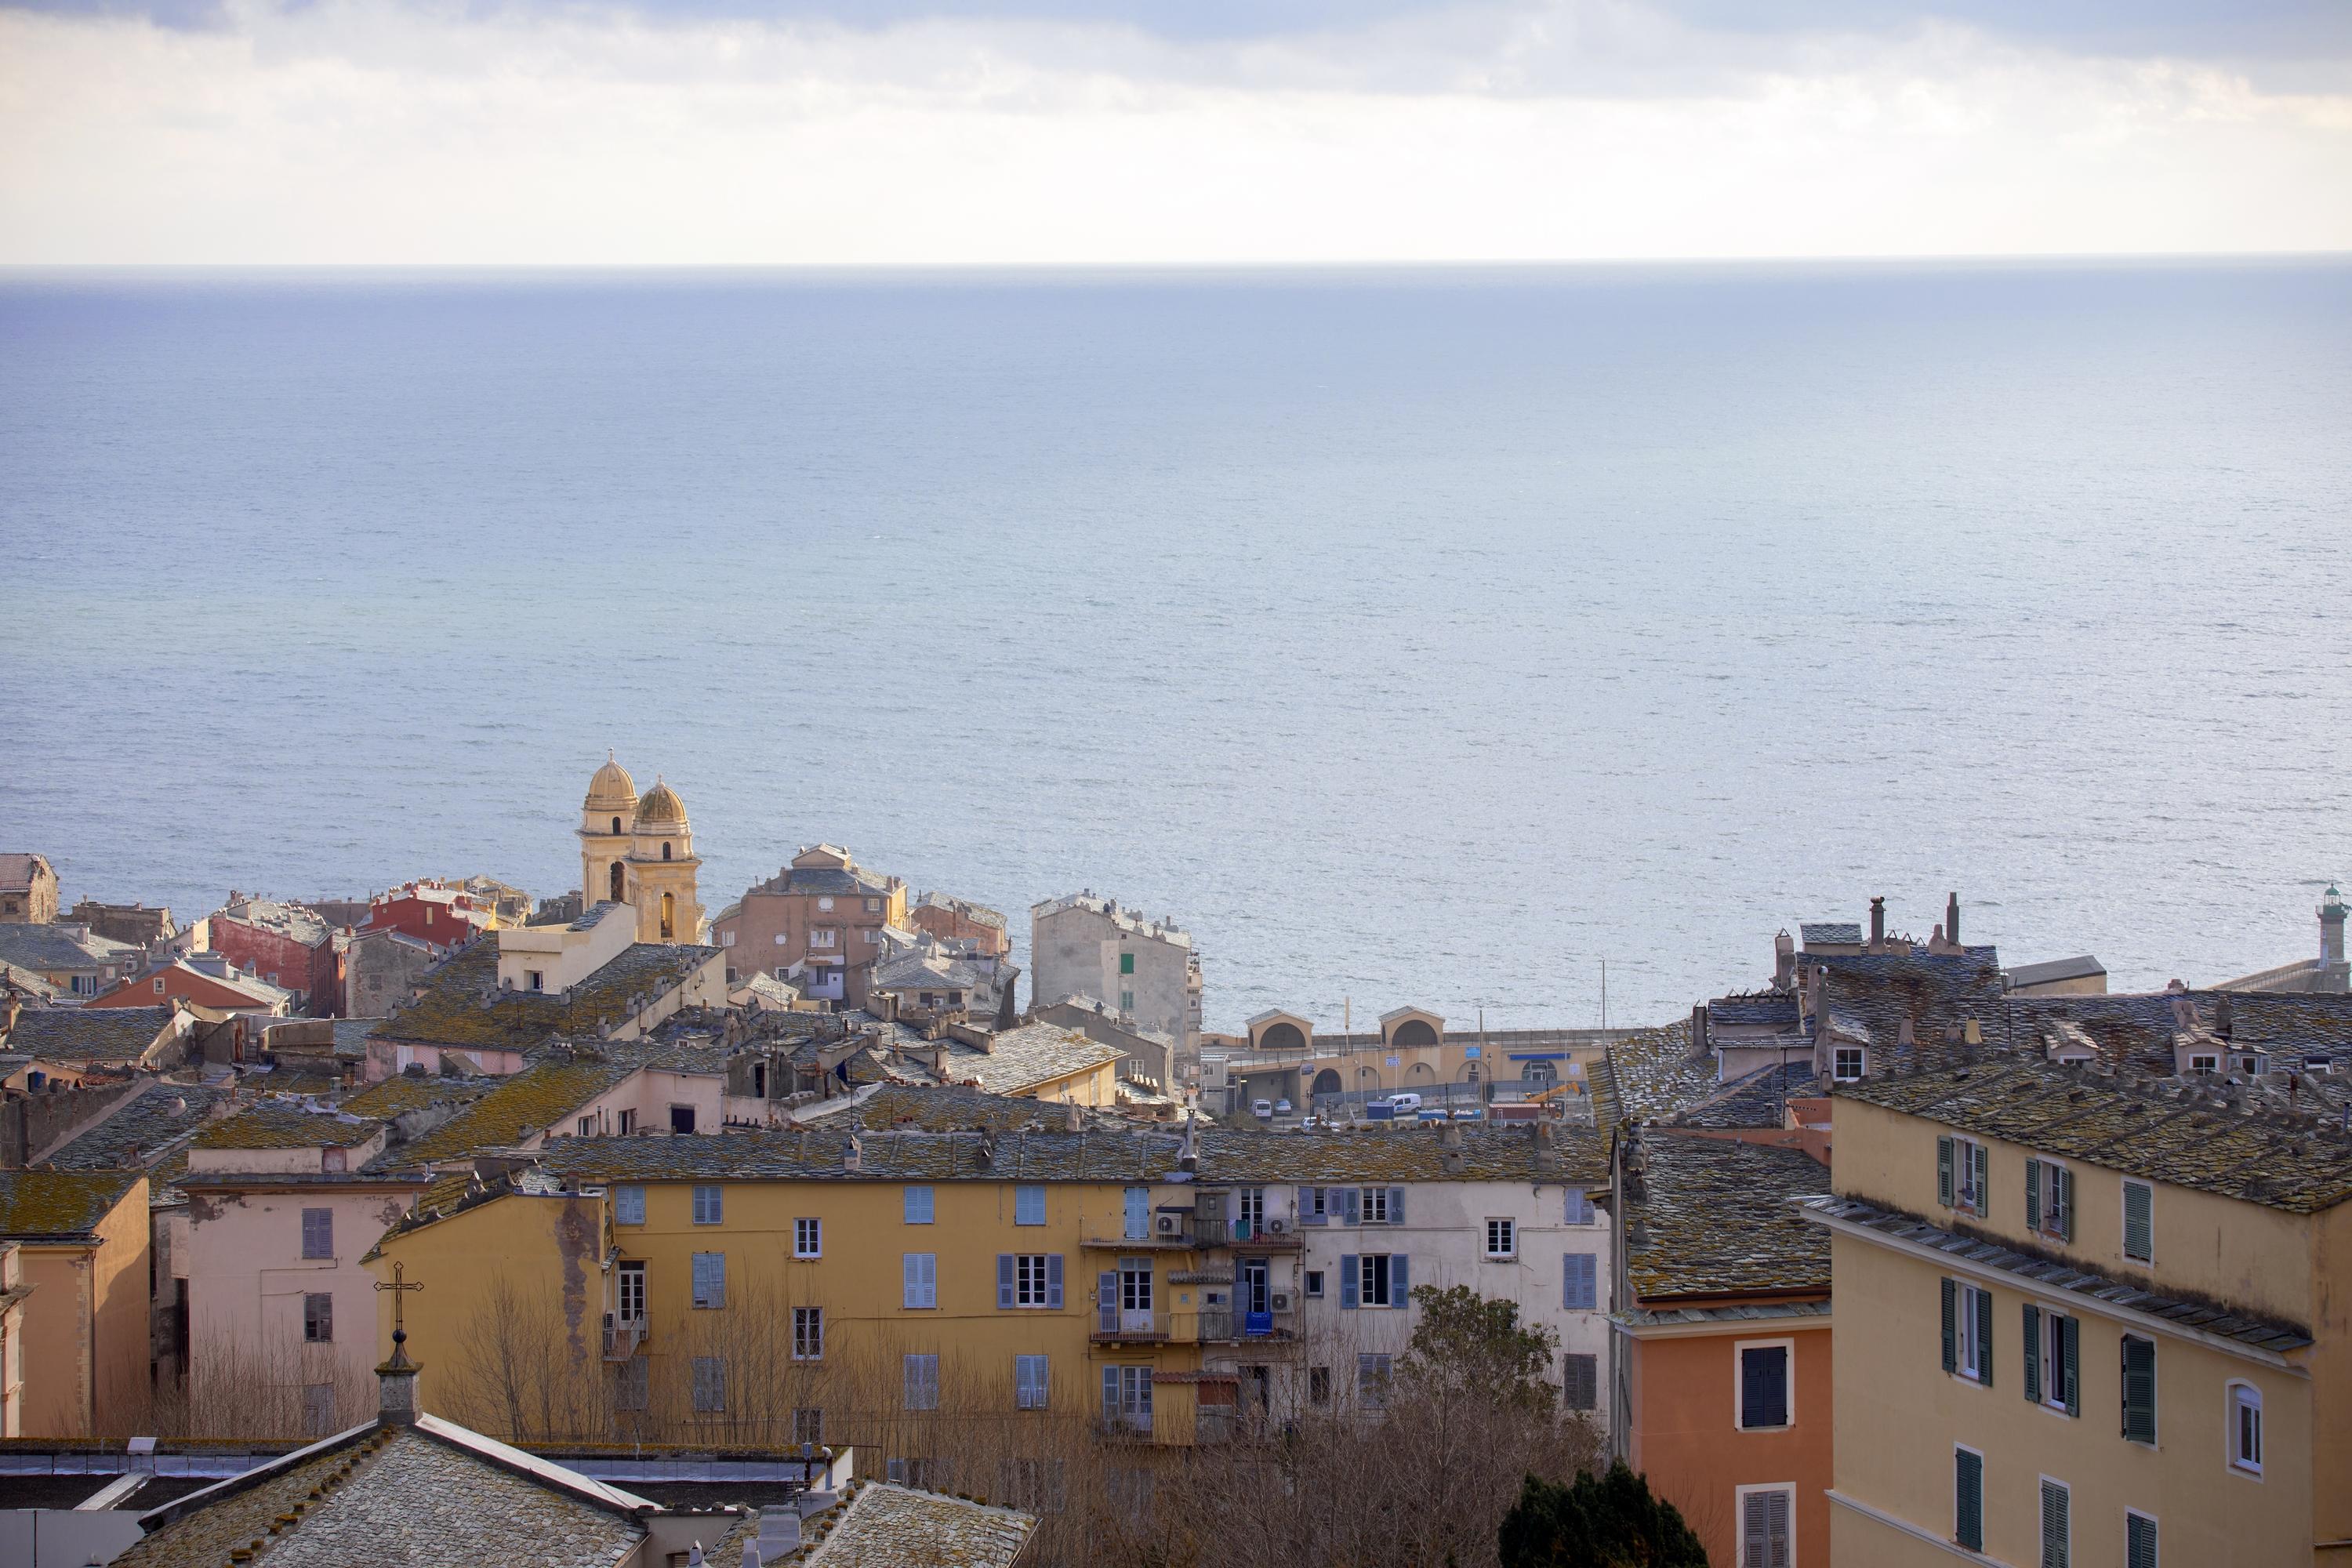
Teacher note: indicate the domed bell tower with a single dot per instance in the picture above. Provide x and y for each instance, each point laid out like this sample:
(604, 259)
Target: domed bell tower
(661, 867)
(608, 820)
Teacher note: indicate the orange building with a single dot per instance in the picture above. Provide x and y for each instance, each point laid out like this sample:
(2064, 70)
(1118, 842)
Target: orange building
(82, 1245)
(1722, 1392)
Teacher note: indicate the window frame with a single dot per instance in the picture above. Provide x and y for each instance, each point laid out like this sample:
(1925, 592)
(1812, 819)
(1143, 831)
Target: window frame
(1968, 1197)
(1387, 1271)
(2155, 1538)
(2049, 1359)
(2053, 1184)
(808, 1237)
(1593, 1260)
(930, 1205)
(2240, 1395)
(324, 1300)
(1310, 1284)
(1861, 1055)
(927, 1362)
(909, 1288)
(711, 1301)
(325, 1253)
(1029, 1203)
(808, 1330)
(622, 1272)
(1740, 1349)
(1739, 1496)
(629, 1203)
(709, 1203)
(1509, 1252)
(713, 1368)
(1591, 1363)
(1024, 1383)
(1577, 1207)
(1032, 1277)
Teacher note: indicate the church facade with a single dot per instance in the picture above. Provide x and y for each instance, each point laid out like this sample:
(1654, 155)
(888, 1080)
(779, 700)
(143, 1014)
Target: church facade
(639, 852)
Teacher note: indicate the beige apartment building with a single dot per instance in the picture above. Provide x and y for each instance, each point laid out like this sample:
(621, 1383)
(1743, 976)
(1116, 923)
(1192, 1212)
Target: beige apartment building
(817, 924)
(1083, 946)
(2088, 1318)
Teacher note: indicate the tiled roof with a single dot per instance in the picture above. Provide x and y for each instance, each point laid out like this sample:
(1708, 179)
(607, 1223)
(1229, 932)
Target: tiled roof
(1840, 932)
(404, 1496)
(798, 879)
(1756, 1100)
(138, 1133)
(978, 915)
(1749, 1312)
(942, 1110)
(290, 920)
(1751, 1008)
(24, 980)
(1128, 920)
(59, 1202)
(2174, 1131)
(2081, 968)
(88, 1034)
(16, 870)
(924, 969)
(884, 1526)
(1024, 1057)
(395, 1095)
(276, 1124)
(1872, 994)
(454, 1010)
(351, 1036)
(2052, 1276)
(1654, 1074)
(1413, 1151)
(1714, 1217)
(533, 1100)
(59, 947)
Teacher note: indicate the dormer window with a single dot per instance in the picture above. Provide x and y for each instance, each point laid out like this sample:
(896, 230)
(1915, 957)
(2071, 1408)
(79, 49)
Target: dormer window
(2204, 1066)
(1849, 1064)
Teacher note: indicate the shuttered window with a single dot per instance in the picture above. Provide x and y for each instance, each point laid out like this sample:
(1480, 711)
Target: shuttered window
(2139, 1540)
(710, 1204)
(629, 1206)
(1028, 1279)
(318, 1233)
(922, 1380)
(1579, 1286)
(1580, 1381)
(709, 1383)
(1968, 1332)
(2140, 1389)
(711, 1279)
(1029, 1205)
(917, 1209)
(1029, 1382)
(919, 1275)
(2052, 1344)
(1763, 1386)
(2050, 1199)
(1967, 1499)
(1579, 1208)
(2057, 1528)
(2139, 1221)
(1764, 1529)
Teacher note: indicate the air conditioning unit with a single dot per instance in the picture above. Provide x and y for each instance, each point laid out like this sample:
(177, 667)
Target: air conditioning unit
(1281, 1301)
(592, 1191)
(1277, 1226)
(1172, 1225)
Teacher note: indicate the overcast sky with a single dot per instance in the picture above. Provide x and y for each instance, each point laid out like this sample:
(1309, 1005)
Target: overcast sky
(1121, 131)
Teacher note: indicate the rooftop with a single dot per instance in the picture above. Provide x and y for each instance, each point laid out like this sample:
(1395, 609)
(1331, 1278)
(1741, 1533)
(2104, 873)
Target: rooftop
(63, 1204)
(1025, 1057)
(463, 1007)
(294, 921)
(1847, 933)
(1717, 1218)
(1756, 1100)
(16, 870)
(88, 1034)
(58, 947)
(978, 915)
(285, 1124)
(2055, 970)
(2163, 1131)
(1126, 920)
(886, 1526)
(1656, 1075)
(532, 1100)
(139, 1131)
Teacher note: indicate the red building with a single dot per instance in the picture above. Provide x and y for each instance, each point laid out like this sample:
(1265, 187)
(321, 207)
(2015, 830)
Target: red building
(204, 979)
(291, 947)
(438, 913)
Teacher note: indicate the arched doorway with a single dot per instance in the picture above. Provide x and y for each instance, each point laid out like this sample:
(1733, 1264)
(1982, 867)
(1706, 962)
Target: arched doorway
(1414, 1032)
(1327, 1083)
(1541, 1072)
(1282, 1038)
(1421, 1072)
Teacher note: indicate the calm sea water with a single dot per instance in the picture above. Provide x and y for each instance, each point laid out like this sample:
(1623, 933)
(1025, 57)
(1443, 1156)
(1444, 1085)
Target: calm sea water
(1414, 637)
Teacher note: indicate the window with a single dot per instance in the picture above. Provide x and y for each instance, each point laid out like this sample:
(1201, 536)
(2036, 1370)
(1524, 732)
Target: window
(1319, 1386)
(587, 1127)
(1126, 1001)
(1764, 1394)
(629, 1204)
(1028, 1279)
(1126, 1398)
(2050, 1199)
(918, 1274)
(534, 980)
(159, 986)
(1579, 1286)
(711, 1279)
(1968, 1332)
(1848, 1066)
(319, 1409)
(1961, 1174)
(808, 1238)
(2139, 1540)
(873, 906)
(1311, 1210)
(1383, 1205)
(1765, 1527)
(1967, 1499)
(1139, 1213)
(808, 1426)
(631, 1384)
(2139, 1221)
(632, 1306)
(2140, 1389)
(925, 1475)
(919, 1206)
(1034, 1485)
(2205, 1066)
(1126, 964)
(318, 1233)
(825, 936)
(1375, 1279)
(2052, 1344)
(1502, 1238)
(1028, 1205)
(808, 1333)
(2246, 1428)
(681, 1119)
(922, 1380)
(710, 1383)
(1030, 1382)
(317, 1318)
(709, 1205)
(824, 904)
(628, 1124)
(1579, 1383)
(2057, 1528)
(1579, 1208)
(1249, 1211)
(1373, 1381)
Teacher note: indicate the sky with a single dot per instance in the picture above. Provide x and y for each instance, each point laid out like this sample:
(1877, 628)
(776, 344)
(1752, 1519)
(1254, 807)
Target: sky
(1132, 132)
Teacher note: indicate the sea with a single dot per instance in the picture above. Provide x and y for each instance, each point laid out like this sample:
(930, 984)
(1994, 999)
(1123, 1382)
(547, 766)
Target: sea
(1445, 637)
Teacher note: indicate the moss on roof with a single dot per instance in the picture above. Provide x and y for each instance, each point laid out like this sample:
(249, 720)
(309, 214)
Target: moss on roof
(1717, 1218)
(88, 1034)
(395, 1095)
(530, 1101)
(455, 1010)
(60, 1203)
(280, 1125)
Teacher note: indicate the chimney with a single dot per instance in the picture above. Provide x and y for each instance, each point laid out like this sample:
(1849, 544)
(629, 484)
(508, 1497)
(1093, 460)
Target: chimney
(1784, 962)
(2222, 1024)
(1699, 1030)
(1952, 919)
(1877, 923)
(853, 1158)
(2331, 939)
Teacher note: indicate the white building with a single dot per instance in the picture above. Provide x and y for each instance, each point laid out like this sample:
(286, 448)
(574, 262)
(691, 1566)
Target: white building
(1089, 947)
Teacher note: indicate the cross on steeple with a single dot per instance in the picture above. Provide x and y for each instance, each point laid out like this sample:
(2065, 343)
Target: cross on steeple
(396, 1378)
(397, 1286)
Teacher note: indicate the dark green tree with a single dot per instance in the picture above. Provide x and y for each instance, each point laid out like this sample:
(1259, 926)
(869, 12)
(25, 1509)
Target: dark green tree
(1596, 1521)
(1470, 1344)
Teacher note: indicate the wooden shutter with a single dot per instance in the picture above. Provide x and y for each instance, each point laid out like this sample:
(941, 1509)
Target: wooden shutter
(1310, 1205)
(1106, 1302)
(1352, 1212)
(1984, 1338)
(1396, 1205)
(1944, 1172)
(2064, 1198)
(1054, 1280)
(1967, 1499)
(2032, 1354)
(2139, 1540)
(2033, 1194)
(2070, 1351)
(1775, 1529)
(1978, 1159)
(1951, 1326)
(1400, 1279)
(1755, 1536)
(2140, 1389)
(1348, 1279)
(2055, 1530)
(2139, 1221)
(1004, 1267)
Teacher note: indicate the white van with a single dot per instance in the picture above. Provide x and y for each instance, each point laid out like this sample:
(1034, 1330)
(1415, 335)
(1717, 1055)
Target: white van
(1263, 1109)
(1401, 1103)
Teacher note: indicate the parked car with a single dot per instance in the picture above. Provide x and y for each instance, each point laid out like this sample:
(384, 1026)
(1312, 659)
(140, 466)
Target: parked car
(1314, 1123)
(1401, 1103)
(1282, 1108)
(1263, 1109)
(1469, 1113)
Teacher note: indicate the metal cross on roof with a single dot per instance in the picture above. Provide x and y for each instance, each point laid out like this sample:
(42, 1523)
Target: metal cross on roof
(397, 1286)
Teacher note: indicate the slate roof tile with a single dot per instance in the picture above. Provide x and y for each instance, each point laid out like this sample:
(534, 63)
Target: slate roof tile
(1717, 1217)
(454, 1010)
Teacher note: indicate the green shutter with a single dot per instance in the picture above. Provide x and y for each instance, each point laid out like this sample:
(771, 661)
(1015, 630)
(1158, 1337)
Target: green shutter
(1982, 1184)
(2139, 1540)
(1944, 1172)
(1967, 1499)
(2065, 1196)
(2069, 1350)
(1951, 1327)
(2033, 1194)
(2032, 1354)
(2053, 1525)
(2139, 1221)
(1984, 1338)
(2140, 1389)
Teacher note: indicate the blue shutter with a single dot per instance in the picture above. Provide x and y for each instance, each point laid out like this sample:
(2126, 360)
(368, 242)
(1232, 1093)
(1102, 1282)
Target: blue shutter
(1400, 1279)
(1054, 1280)
(1579, 1285)
(1348, 1279)
(1106, 1302)
(2032, 1354)
(1004, 1280)
(2139, 1226)
(2140, 1389)
(919, 1206)
(1139, 1213)
(2065, 1201)
(1396, 1205)
(1350, 1210)
(1310, 1205)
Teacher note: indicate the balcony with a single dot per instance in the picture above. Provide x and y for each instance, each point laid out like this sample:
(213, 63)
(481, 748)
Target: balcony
(1180, 1239)
(621, 1338)
(1115, 1326)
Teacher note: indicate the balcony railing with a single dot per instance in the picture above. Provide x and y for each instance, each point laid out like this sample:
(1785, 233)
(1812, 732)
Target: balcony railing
(623, 1338)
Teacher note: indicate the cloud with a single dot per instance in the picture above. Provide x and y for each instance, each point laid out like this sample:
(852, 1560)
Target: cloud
(382, 131)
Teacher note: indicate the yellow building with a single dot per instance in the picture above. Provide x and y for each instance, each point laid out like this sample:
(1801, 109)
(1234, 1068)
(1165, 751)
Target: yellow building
(2087, 1318)
(640, 852)
(83, 1241)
